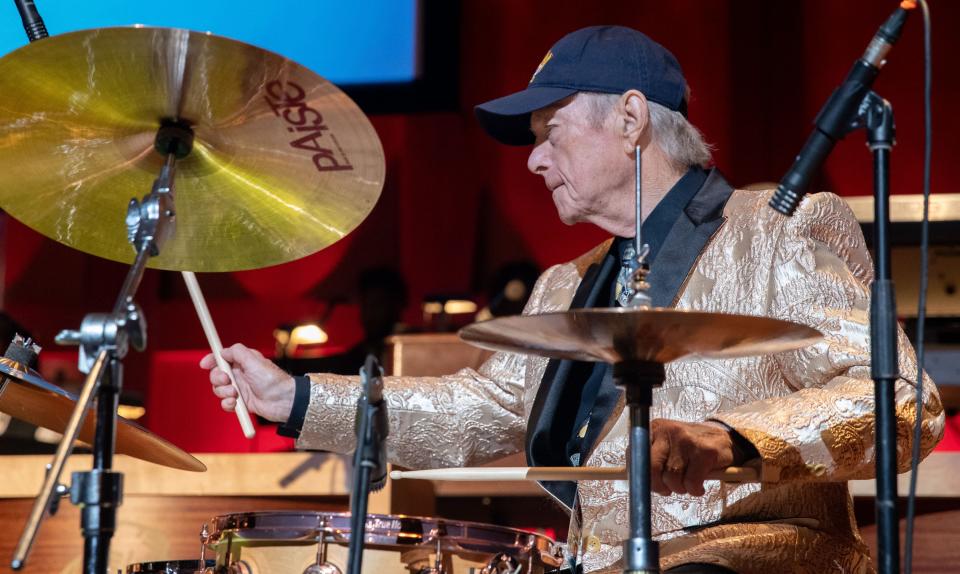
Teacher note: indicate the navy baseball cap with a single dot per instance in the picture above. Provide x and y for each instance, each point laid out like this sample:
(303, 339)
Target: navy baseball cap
(605, 59)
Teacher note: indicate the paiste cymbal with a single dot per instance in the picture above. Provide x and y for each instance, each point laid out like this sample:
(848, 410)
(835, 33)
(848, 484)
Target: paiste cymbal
(653, 334)
(26, 396)
(283, 162)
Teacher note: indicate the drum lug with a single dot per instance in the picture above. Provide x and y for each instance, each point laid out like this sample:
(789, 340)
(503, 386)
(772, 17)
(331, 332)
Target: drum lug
(325, 568)
(321, 566)
(502, 563)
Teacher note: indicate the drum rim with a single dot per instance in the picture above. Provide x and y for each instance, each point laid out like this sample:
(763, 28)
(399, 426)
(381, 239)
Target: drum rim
(229, 524)
(153, 565)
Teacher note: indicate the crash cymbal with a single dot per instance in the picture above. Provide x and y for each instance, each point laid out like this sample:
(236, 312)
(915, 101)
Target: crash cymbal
(26, 396)
(283, 162)
(654, 334)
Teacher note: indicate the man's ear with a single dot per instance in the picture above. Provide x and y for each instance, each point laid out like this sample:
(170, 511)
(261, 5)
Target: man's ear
(635, 115)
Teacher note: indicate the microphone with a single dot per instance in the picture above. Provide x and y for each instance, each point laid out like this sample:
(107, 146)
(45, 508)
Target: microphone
(32, 22)
(375, 451)
(839, 115)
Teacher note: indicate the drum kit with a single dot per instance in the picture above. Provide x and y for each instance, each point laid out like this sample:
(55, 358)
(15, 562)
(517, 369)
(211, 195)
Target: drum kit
(252, 160)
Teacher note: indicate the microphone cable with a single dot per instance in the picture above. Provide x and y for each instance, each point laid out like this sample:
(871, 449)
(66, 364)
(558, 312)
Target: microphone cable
(32, 22)
(924, 271)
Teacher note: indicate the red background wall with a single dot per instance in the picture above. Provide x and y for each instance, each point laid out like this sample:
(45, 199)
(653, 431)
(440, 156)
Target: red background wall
(456, 205)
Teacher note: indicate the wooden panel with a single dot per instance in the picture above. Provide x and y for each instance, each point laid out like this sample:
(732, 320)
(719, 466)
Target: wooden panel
(150, 528)
(936, 532)
(937, 478)
(431, 354)
(252, 474)
(164, 509)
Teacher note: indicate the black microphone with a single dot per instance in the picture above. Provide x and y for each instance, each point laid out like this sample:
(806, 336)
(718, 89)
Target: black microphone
(377, 408)
(839, 114)
(32, 22)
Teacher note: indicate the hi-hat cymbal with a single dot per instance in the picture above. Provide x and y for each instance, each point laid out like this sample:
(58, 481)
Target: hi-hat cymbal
(28, 397)
(654, 334)
(283, 162)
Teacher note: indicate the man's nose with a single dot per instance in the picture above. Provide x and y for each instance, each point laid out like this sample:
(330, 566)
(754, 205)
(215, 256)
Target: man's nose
(538, 160)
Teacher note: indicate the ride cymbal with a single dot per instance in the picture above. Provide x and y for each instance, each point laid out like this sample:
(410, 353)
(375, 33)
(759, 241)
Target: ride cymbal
(26, 396)
(283, 163)
(654, 334)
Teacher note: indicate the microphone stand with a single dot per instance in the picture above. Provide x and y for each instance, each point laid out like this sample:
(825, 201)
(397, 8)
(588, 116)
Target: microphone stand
(876, 115)
(371, 433)
(850, 107)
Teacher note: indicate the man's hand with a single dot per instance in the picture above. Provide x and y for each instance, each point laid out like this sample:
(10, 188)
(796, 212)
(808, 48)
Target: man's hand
(682, 454)
(267, 390)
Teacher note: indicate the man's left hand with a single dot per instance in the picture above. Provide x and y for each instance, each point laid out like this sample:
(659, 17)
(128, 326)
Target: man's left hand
(683, 454)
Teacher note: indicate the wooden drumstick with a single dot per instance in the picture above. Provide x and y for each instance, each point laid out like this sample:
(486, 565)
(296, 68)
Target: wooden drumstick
(504, 473)
(201, 306)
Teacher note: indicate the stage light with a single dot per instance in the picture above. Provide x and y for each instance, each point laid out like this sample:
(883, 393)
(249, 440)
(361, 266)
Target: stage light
(299, 340)
(310, 334)
(131, 412)
(459, 307)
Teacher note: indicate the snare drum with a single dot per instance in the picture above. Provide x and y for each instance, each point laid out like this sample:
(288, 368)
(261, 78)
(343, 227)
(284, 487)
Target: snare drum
(296, 542)
(169, 567)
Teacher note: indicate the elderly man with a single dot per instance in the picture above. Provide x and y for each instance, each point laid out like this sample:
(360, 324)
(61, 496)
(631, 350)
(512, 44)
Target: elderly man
(599, 97)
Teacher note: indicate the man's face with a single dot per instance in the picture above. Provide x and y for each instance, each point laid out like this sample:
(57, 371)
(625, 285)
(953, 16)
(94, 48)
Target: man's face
(582, 161)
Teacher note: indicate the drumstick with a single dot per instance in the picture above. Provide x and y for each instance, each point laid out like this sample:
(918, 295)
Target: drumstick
(198, 302)
(502, 473)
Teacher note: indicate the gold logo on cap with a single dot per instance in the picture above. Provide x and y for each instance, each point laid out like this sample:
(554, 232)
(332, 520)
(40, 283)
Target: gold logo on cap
(543, 63)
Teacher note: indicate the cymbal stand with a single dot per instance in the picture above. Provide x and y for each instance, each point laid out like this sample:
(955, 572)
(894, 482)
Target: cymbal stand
(641, 553)
(104, 339)
(638, 378)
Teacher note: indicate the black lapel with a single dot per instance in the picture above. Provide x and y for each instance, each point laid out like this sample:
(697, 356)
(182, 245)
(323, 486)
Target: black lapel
(603, 406)
(687, 238)
(544, 446)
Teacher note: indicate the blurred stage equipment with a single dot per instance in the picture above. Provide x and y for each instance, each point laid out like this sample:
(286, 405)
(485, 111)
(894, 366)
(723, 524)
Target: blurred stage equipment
(442, 313)
(302, 340)
(510, 290)
(270, 161)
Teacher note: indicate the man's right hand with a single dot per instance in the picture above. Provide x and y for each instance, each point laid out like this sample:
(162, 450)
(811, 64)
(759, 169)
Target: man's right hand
(267, 390)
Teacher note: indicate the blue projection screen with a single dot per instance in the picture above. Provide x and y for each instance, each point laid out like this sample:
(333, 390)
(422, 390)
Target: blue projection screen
(349, 43)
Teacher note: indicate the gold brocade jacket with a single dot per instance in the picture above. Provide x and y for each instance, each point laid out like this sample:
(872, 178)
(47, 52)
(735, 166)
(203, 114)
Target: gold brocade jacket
(809, 412)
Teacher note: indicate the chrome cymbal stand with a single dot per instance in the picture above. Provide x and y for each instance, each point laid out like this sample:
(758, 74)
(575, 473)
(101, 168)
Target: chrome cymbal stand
(104, 339)
(638, 378)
